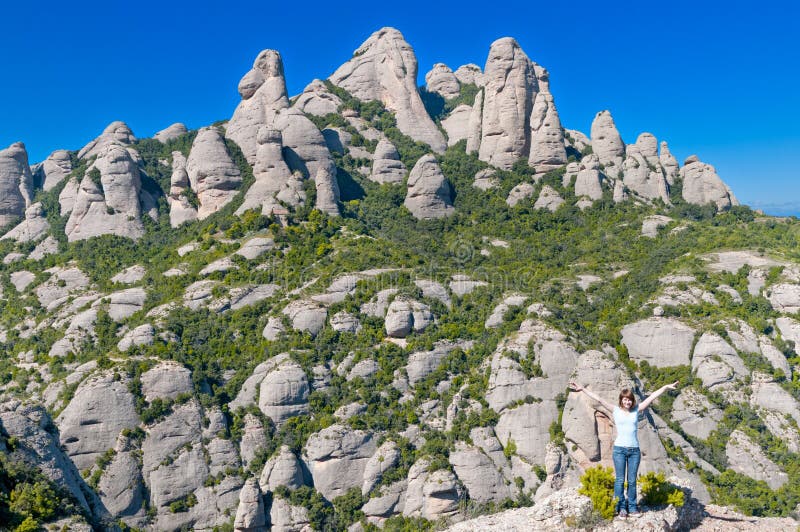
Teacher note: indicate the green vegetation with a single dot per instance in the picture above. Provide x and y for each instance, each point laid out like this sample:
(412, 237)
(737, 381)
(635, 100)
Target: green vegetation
(597, 483)
(656, 491)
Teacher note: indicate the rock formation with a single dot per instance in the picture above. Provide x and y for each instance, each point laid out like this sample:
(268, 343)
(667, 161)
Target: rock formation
(181, 208)
(471, 73)
(16, 183)
(317, 100)
(607, 144)
(442, 81)
(171, 133)
(702, 185)
(386, 164)
(384, 68)
(213, 176)
(52, 170)
(429, 193)
(115, 133)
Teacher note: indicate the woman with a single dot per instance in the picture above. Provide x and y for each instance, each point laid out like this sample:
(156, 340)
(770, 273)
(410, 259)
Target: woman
(626, 446)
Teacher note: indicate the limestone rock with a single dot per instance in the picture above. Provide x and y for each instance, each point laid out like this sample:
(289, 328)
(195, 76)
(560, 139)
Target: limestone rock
(112, 205)
(62, 283)
(386, 164)
(433, 290)
(255, 247)
(607, 144)
(695, 414)
(254, 438)
(181, 209)
(53, 170)
(249, 390)
(423, 363)
(662, 342)
(386, 457)
(100, 409)
(283, 469)
(387, 502)
(130, 275)
(405, 316)
(32, 228)
(16, 183)
(384, 68)
(178, 431)
(287, 518)
(124, 303)
(379, 304)
(483, 481)
(167, 380)
(510, 89)
(785, 297)
(272, 175)
(774, 355)
(48, 246)
(115, 133)
(588, 180)
(263, 92)
(790, 330)
(715, 362)
(475, 124)
(212, 173)
(577, 140)
(747, 458)
(441, 495)
(121, 486)
(486, 179)
(457, 124)
(528, 427)
(669, 163)
(429, 193)
(441, 80)
(768, 394)
(548, 199)
(652, 224)
(141, 335)
(22, 279)
(66, 199)
(284, 393)
(317, 100)
(519, 193)
(470, 73)
(273, 329)
(171, 133)
(642, 172)
(702, 185)
(337, 458)
(306, 315)
(250, 513)
(547, 150)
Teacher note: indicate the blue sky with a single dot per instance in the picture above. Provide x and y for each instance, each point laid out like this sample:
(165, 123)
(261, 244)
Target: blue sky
(717, 82)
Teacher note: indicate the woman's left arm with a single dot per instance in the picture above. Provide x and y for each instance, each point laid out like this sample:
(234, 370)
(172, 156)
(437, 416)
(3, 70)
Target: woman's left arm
(644, 404)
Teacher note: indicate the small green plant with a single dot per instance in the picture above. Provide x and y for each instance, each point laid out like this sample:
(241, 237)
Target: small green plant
(597, 483)
(510, 449)
(656, 491)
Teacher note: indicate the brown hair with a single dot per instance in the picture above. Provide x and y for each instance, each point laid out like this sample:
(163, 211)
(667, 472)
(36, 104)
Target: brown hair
(629, 394)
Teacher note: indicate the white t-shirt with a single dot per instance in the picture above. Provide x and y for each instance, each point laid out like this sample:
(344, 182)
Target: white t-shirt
(627, 424)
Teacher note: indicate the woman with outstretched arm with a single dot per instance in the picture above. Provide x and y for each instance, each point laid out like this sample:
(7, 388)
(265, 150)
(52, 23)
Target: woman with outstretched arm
(626, 446)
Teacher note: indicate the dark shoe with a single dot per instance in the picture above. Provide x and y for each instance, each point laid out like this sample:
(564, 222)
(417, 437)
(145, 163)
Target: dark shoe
(623, 513)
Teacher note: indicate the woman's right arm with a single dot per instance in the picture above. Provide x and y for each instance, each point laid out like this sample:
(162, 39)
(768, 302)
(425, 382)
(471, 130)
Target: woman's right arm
(575, 388)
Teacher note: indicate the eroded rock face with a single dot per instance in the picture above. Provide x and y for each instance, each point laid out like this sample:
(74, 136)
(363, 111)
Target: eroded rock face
(306, 315)
(283, 469)
(384, 68)
(747, 458)
(337, 457)
(470, 73)
(171, 133)
(167, 380)
(480, 475)
(520, 192)
(702, 185)
(386, 164)
(457, 124)
(441, 80)
(53, 170)
(271, 174)
(115, 133)
(284, 393)
(250, 513)
(715, 362)
(662, 342)
(212, 173)
(317, 100)
(100, 409)
(548, 199)
(669, 163)
(263, 92)
(547, 136)
(110, 204)
(32, 228)
(181, 209)
(642, 172)
(528, 426)
(607, 144)
(588, 180)
(386, 457)
(404, 316)
(16, 183)
(429, 193)
(695, 414)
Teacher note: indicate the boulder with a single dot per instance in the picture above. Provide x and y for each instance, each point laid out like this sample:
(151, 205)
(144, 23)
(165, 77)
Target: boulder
(141, 335)
(745, 457)
(769, 395)
(486, 179)
(405, 316)
(306, 315)
(702, 185)
(423, 363)
(479, 474)
(254, 438)
(642, 172)
(652, 224)
(576, 140)
(386, 164)
(548, 199)
(774, 356)
(384, 68)
(130, 275)
(785, 297)
(520, 192)
(100, 409)
(386, 457)
(379, 304)
(66, 200)
(662, 342)
(284, 393)
(263, 92)
(108, 203)
(429, 193)
(696, 415)
(171, 133)
(213, 176)
(588, 181)
(715, 362)
(273, 329)
(441, 80)
(124, 303)
(337, 457)
(249, 390)
(116, 133)
(287, 518)
(32, 228)
(255, 247)
(22, 279)
(16, 183)
(62, 283)
(46, 247)
(250, 513)
(441, 494)
(363, 369)
(470, 73)
(607, 144)
(53, 170)
(317, 100)
(167, 380)
(282, 469)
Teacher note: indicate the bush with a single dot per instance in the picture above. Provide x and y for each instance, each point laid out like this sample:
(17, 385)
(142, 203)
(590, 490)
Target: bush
(656, 491)
(598, 484)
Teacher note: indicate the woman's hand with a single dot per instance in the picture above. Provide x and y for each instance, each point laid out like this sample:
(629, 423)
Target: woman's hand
(673, 386)
(574, 387)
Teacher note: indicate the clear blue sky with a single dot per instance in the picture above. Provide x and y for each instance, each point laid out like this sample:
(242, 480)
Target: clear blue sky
(716, 79)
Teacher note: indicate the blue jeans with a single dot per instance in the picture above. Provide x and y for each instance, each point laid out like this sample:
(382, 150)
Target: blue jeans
(626, 457)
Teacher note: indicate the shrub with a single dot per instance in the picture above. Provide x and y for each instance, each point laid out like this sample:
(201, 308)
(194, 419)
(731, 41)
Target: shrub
(656, 491)
(598, 484)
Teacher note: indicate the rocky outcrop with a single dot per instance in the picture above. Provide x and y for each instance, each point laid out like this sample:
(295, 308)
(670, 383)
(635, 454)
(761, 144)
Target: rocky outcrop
(386, 164)
(702, 185)
(317, 100)
(337, 458)
(171, 133)
(167, 380)
(386, 457)
(520, 192)
(642, 172)
(695, 414)
(547, 150)
(108, 198)
(745, 457)
(306, 315)
(470, 73)
(263, 92)
(669, 163)
(479, 474)
(115, 133)
(32, 228)
(456, 125)
(475, 126)
(283, 469)
(284, 393)
(548, 199)
(441, 80)
(16, 183)
(141, 335)
(384, 68)
(52, 170)
(273, 182)
(250, 512)
(429, 193)
(181, 209)
(588, 180)
(715, 362)
(213, 176)
(607, 144)
(404, 316)
(661, 342)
